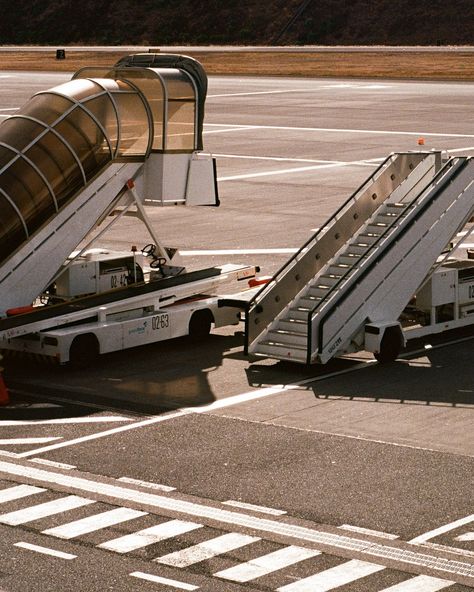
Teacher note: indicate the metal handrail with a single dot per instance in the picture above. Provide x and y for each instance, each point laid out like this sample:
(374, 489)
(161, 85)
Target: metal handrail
(424, 198)
(357, 221)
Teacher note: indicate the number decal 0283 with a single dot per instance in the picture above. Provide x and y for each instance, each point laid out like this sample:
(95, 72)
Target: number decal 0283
(161, 321)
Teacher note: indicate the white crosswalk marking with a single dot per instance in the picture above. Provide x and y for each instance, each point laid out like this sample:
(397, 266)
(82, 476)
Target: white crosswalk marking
(93, 523)
(17, 492)
(42, 510)
(333, 577)
(266, 564)
(468, 536)
(419, 584)
(149, 536)
(207, 549)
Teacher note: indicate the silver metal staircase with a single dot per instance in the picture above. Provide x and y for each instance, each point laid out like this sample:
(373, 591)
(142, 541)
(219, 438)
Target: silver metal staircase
(327, 315)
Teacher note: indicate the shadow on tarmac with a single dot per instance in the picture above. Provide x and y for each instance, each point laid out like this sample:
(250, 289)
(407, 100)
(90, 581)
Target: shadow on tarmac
(149, 379)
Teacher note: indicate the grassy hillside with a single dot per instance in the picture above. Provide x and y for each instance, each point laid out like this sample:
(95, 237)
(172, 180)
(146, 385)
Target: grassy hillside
(158, 22)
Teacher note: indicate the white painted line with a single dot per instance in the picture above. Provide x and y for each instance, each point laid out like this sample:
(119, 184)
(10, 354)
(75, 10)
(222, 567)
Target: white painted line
(45, 551)
(345, 130)
(234, 518)
(262, 566)
(461, 149)
(220, 404)
(263, 509)
(467, 536)
(18, 492)
(53, 463)
(8, 108)
(443, 529)
(368, 531)
(146, 484)
(226, 130)
(342, 574)
(50, 508)
(203, 252)
(93, 523)
(66, 420)
(419, 584)
(367, 162)
(7, 453)
(291, 171)
(138, 424)
(149, 536)
(17, 441)
(263, 92)
(164, 581)
(207, 549)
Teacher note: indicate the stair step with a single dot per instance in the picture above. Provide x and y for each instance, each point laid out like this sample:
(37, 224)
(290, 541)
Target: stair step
(289, 338)
(395, 205)
(309, 301)
(298, 313)
(280, 352)
(317, 292)
(294, 325)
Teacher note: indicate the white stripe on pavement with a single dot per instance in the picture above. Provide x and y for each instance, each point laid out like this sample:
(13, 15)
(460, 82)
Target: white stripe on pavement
(66, 420)
(93, 523)
(17, 492)
(207, 549)
(149, 536)
(53, 463)
(342, 574)
(419, 584)
(369, 531)
(17, 441)
(266, 564)
(45, 550)
(42, 510)
(283, 251)
(467, 536)
(164, 581)
(443, 529)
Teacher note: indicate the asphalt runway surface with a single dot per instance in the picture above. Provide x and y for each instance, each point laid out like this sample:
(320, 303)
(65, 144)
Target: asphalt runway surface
(384, 448)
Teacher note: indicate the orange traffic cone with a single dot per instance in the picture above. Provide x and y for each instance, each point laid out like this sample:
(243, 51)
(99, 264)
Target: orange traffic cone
(4, 396)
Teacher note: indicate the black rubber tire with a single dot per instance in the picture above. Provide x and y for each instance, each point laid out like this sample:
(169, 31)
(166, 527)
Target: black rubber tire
(390, 346)
(84, 350)
(200, 324)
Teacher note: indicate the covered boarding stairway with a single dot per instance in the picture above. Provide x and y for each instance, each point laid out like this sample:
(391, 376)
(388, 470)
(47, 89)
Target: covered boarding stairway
(366, 262)
(68, 153)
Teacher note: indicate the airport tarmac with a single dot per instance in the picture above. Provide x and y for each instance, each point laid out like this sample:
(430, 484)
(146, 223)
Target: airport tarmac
(381, 450)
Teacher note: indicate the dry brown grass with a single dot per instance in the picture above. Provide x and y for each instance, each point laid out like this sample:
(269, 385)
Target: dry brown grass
(422, 65)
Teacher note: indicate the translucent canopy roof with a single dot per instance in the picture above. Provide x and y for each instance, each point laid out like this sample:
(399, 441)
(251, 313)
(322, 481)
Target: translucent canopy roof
(62, 138)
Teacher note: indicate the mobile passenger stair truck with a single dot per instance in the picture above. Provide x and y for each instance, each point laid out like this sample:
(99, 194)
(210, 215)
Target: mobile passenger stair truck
(390, 265)
(74, 160)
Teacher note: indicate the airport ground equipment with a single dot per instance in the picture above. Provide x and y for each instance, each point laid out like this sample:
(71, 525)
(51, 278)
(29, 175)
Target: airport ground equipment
(386, 267)
(73, 161)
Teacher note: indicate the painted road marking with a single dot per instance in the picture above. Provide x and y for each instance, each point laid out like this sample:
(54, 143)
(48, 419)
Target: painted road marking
(220, 404)
(93, 523)
(289, 251)
(342, 574)
(291, 171)
(419, 584)
(266, 564)
(207, 549)
(263, 509)
(66, 420)
(369, 161)
(50, 508)
(45, 550)
(19, 441)
(344, 131)
(468, 536)
(17, 492)
(149, 536)
(271, 527)
(443, 529)
(146, 484)
(164, 581)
